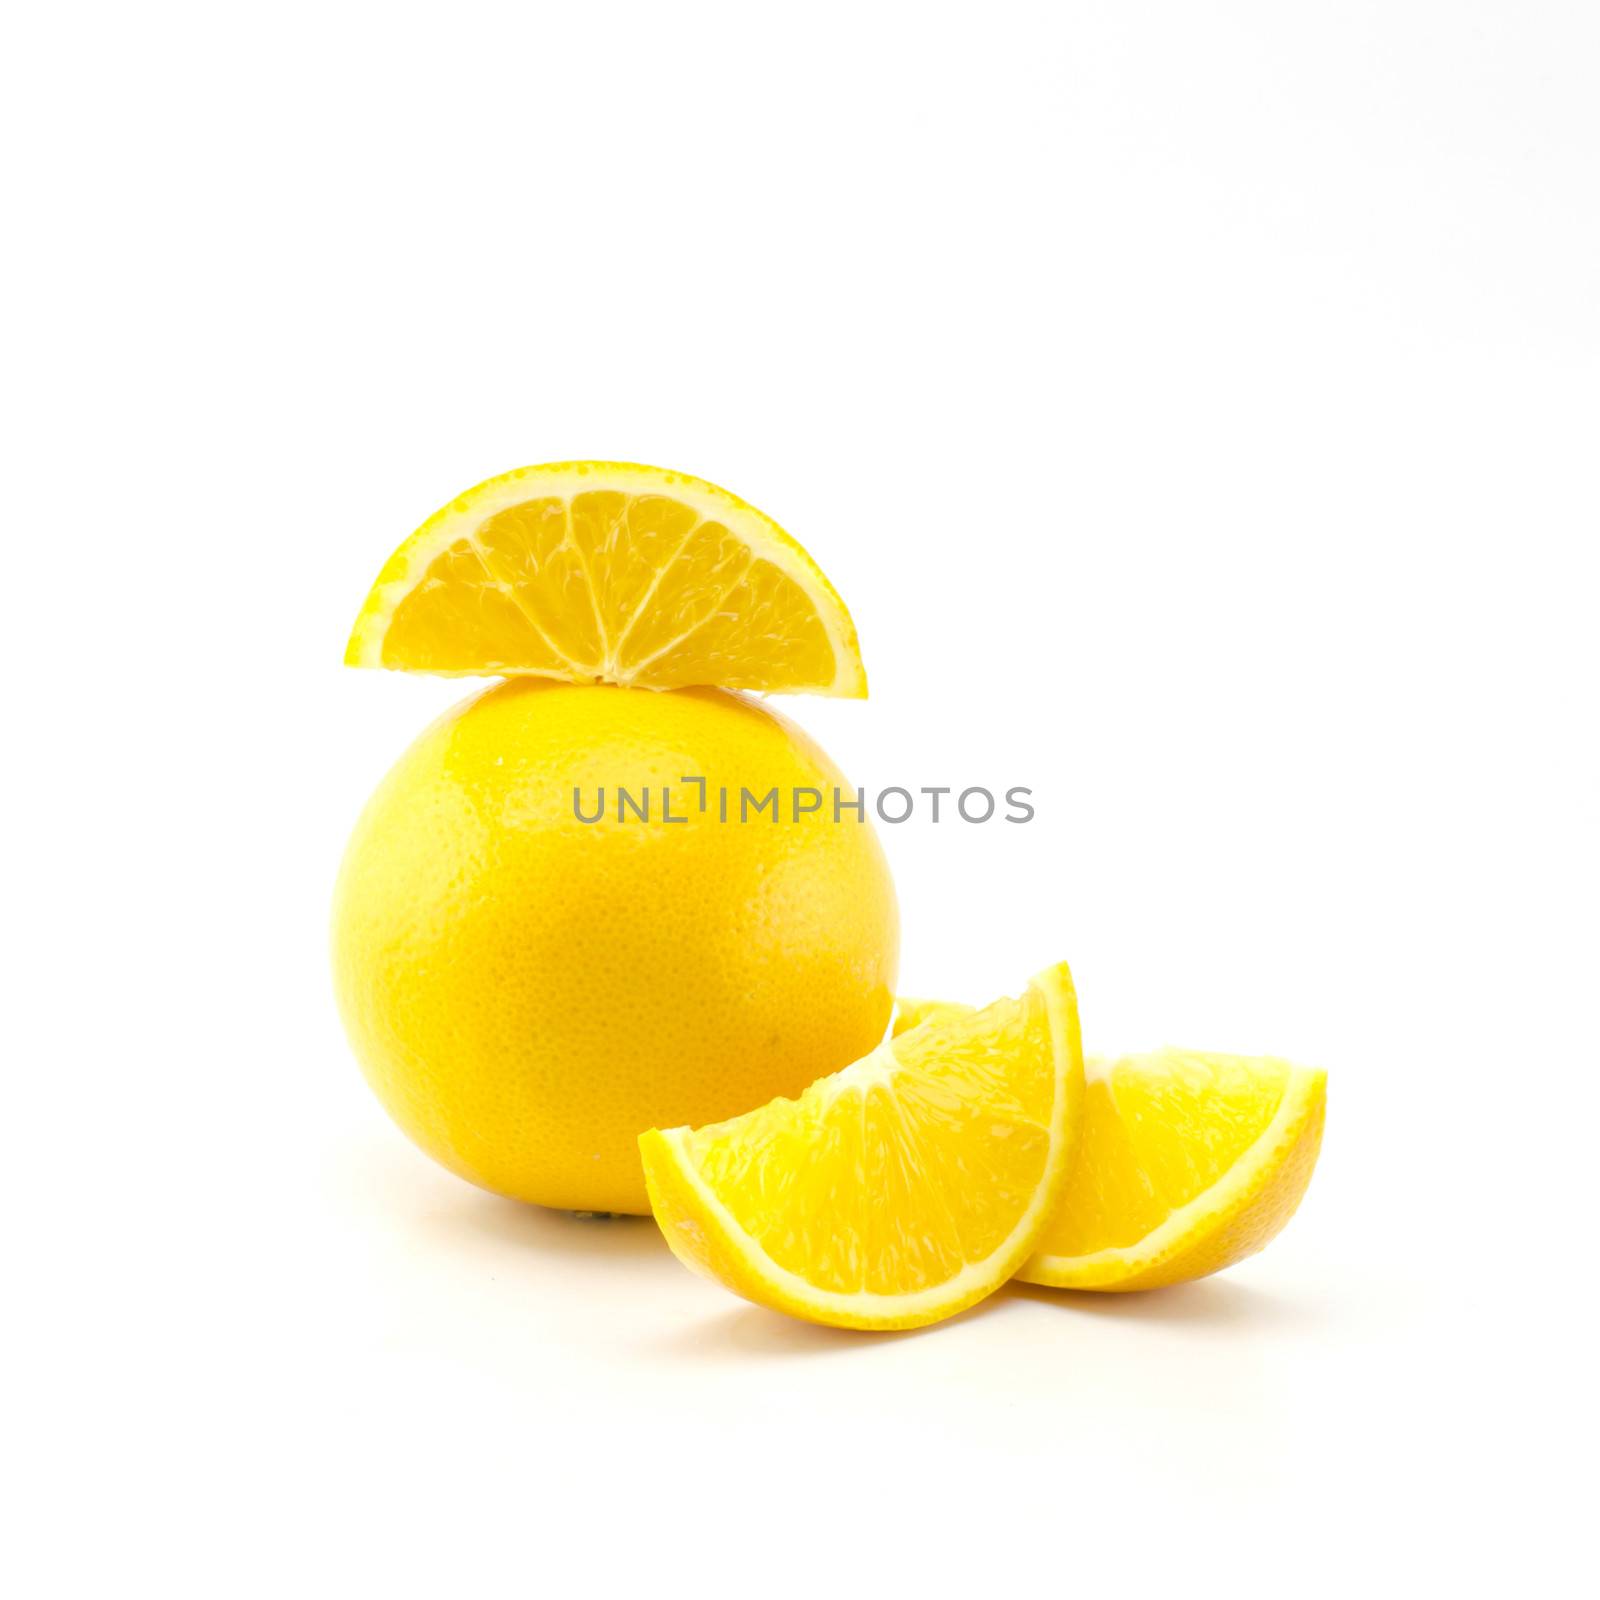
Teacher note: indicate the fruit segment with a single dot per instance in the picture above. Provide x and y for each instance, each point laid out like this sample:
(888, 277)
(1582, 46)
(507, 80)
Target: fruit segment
(609, 572)
(898, 1191)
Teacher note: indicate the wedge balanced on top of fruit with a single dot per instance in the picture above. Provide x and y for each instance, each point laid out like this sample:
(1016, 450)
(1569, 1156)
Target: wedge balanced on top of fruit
(586, 960)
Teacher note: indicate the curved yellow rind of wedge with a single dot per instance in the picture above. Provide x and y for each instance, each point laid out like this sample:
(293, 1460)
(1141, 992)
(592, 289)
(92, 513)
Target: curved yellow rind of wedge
(479, 596)
(706, 1237)
(1242, 1212)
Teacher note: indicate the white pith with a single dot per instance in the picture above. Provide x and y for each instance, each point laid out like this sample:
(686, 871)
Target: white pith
(877, 1067)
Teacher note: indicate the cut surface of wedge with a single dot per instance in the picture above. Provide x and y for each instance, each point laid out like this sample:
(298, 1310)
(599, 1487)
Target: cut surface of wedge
(609, 572)
(897, 1191)
(1189, 1162)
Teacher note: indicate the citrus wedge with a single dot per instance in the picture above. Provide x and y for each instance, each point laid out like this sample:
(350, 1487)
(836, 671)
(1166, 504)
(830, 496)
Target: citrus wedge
(1189, 1162)
(895, 1192)
(608, 572)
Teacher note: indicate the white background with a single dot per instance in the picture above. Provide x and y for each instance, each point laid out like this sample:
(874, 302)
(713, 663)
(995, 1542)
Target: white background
(1197, 406)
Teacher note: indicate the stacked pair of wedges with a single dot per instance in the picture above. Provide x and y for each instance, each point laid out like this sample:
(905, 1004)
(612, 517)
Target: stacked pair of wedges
(975, 1146)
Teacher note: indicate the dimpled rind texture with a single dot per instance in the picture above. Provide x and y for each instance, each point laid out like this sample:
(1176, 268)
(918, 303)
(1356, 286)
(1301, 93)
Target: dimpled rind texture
(527, 992)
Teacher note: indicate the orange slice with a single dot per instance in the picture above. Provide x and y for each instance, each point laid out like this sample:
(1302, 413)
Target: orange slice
(895, 1192)
(609, 572)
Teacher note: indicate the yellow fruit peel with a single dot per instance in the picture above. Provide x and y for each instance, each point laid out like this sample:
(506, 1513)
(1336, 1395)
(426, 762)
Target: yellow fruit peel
(527, 990)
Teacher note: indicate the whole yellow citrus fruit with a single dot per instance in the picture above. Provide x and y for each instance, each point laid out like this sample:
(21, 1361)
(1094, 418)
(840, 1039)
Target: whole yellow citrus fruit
(528, 991)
